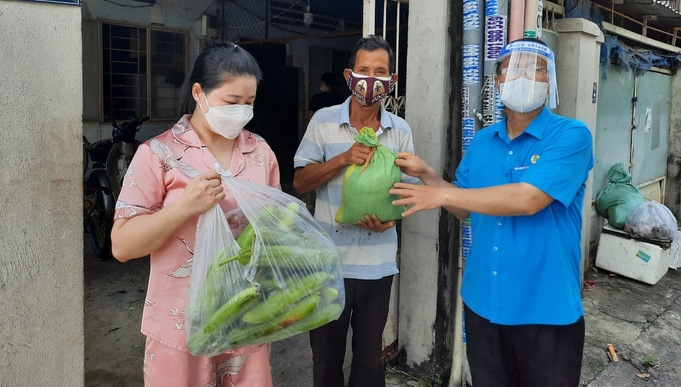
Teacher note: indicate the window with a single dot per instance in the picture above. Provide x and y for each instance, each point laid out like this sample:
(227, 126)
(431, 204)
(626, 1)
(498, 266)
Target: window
(142, 71)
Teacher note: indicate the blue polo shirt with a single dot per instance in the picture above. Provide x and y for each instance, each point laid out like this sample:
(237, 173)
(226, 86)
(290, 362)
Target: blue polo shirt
(526, 269)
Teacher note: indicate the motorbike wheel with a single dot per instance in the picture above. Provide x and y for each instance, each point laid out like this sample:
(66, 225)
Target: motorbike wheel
(99, 225)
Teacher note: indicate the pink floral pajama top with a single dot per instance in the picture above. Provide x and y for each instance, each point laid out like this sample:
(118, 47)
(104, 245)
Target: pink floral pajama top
(157, 176)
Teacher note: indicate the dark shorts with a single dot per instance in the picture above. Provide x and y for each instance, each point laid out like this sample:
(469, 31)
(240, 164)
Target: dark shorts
(523, 355)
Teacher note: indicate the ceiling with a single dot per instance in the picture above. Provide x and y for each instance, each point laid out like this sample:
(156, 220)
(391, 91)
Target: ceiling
(291, 19)
(350, 10)
(660, 14)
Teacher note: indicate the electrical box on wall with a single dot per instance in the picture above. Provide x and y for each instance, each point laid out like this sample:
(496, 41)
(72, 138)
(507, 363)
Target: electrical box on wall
(209, 26)
(157, 16)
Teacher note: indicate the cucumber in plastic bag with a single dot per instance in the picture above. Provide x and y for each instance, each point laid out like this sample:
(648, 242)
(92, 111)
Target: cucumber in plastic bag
(279, 278)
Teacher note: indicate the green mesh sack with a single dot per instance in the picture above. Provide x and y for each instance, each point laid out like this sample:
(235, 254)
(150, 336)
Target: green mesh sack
(615, 201)
(365, 186)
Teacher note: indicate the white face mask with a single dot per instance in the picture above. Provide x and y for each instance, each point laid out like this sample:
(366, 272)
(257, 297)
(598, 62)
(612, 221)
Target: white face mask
(227, 120)
(523, 95)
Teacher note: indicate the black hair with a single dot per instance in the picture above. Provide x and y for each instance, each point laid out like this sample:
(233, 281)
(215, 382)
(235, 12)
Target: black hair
(371, 43)
(329, 80)
(497, 64)
(214, 66)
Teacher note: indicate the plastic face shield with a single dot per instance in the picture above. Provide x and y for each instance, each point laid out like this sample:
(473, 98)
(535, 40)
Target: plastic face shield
(530, 60)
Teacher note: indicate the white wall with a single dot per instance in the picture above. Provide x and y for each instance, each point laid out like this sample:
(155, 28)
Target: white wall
(41, 273)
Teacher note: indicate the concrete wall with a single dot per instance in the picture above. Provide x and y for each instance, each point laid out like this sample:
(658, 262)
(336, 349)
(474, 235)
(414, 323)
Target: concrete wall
(428, 264)
(41, 273)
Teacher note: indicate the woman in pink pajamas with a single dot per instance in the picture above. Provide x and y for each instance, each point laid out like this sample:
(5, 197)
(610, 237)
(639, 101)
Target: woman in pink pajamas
(171, 181)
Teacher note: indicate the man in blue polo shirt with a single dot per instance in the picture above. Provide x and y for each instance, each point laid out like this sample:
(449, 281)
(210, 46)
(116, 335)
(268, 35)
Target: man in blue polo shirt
(368, 249)
(522, 183)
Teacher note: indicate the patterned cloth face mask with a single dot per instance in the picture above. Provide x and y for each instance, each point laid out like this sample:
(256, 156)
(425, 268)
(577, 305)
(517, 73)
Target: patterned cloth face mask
(369, 90)
(227, 120)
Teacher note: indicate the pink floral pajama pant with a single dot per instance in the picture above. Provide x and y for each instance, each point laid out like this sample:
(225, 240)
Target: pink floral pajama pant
(244, 367)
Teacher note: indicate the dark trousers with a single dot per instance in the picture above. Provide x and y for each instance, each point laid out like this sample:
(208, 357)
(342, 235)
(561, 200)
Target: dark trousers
(523, 355)
(366, 309)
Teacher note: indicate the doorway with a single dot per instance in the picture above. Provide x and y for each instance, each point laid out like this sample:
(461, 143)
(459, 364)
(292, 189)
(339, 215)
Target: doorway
(276, 110)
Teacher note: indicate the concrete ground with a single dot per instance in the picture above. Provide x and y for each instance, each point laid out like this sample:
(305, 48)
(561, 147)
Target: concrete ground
(643, 322)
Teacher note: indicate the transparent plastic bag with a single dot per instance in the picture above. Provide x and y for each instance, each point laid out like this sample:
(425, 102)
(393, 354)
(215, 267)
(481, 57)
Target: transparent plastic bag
(652, 220)
(279, 278)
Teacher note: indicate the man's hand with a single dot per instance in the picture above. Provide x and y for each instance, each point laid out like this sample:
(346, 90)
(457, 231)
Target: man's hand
(419, 197)
(315, 175)
(357, 154)
(372, 223)
(412, 165)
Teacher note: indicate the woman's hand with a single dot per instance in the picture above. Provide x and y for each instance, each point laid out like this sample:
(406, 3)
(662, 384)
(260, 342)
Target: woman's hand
(202, 193)
(142, 235)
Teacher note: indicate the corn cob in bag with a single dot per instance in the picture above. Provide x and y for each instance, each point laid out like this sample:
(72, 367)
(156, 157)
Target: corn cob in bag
(365, 186)
(279, 278)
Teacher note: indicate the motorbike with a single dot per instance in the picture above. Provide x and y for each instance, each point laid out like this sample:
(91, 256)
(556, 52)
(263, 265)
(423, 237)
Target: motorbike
(105, 164)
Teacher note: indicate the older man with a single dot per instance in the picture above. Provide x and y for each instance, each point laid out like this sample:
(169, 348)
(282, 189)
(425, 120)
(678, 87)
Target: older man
(368, 248)
(522, 182)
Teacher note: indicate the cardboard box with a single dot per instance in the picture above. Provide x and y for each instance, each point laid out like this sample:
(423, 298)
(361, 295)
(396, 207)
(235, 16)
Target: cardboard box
(635, 259)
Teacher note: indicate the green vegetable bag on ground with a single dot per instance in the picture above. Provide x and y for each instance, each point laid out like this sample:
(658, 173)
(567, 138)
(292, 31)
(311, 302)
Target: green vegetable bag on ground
(615, 201)
(365, 187)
